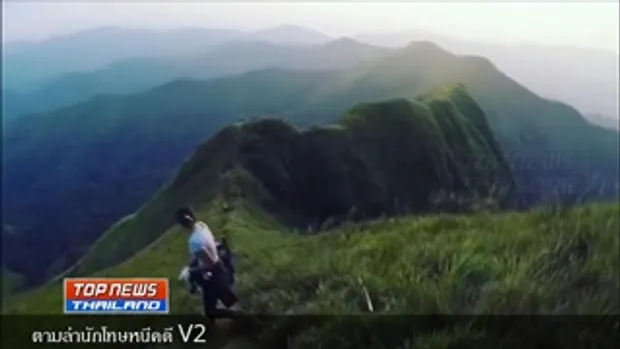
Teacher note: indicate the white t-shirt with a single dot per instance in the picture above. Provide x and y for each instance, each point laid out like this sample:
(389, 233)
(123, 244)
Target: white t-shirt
(202, 239)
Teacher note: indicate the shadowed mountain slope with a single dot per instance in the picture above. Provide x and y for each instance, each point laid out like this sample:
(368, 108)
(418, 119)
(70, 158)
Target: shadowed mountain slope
(383, 158)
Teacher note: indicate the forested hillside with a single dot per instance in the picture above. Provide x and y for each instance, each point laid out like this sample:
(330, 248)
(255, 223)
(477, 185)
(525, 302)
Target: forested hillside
(389, 158)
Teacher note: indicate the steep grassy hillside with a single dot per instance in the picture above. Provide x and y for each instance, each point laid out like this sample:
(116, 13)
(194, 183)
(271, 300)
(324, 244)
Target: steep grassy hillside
(548, 144)
(385, 158)
(55, 180)
(549, 261)
(546, 261)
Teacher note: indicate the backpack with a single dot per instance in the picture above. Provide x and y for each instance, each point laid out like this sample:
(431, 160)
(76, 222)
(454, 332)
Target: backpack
(227, 260)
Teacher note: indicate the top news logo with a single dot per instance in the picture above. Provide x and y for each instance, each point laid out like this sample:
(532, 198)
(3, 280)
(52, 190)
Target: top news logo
(116, 296)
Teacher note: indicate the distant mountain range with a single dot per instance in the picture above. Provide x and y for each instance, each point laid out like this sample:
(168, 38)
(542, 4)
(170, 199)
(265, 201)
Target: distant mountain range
(41, 76)
(140, 74)
(604, 121)
(28, 65)
(71, 172)
(584, 78)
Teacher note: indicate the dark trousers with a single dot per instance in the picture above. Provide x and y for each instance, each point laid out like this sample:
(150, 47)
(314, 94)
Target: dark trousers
(214, 288)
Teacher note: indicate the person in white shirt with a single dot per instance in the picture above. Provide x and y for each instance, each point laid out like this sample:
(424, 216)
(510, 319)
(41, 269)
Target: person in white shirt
(206, 263)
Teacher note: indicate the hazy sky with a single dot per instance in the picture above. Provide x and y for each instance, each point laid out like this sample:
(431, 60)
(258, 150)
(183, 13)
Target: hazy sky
(588, 24)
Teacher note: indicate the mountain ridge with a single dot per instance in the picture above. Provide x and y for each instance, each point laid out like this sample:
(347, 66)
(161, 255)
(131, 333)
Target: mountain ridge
(532, 131)
(548, 70)
(91, 49)
(228, 59)
(545, 69)
(284, 160)
(560, 261)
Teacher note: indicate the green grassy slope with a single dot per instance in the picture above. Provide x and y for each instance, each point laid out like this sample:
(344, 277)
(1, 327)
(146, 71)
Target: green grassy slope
(552, 261)
(383, 158)
(544, 261)
(549, 144)
(10, 281)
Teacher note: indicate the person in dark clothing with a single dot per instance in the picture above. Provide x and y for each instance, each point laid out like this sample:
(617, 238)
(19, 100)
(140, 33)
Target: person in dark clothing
(196, 278)
(207, 269)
